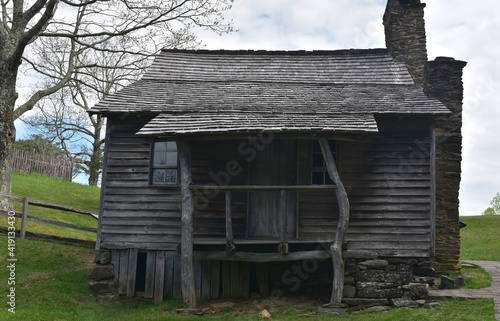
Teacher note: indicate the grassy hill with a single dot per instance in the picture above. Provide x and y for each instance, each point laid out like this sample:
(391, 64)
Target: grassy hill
(56, 191)
(480, 238)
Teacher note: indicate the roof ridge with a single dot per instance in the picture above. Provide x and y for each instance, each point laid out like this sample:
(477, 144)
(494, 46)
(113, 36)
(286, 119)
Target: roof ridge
(351, 51)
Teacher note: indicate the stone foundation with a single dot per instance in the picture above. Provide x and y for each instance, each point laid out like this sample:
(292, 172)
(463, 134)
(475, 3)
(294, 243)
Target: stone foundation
(102, 275)
(388, 281)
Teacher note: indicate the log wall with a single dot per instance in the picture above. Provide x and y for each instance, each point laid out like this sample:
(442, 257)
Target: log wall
(135, 214)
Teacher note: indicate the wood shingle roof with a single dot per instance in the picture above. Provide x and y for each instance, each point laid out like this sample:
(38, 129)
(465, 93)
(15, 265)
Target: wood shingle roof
(247, 91)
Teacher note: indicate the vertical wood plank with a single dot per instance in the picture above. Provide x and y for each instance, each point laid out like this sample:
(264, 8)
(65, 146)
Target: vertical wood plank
(205, 280)
(230, 248)
(433, 190)
(188, 289)
(215, 279)
(122, 279)
(177, 285)
(244, 279)
(169, 276)
(197, 278)
(132, 271)
(343, 202)
(150, 275)
(262, 274)
(159, 276)
(24, 218)
(226, 279)
(283, 247)
(235, 279)
(115, 260)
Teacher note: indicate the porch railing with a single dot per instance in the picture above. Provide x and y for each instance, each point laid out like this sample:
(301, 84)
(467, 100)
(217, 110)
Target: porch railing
(283, 189)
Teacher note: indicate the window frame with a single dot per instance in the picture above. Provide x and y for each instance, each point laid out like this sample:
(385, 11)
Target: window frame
(323, 170)
(153, 166)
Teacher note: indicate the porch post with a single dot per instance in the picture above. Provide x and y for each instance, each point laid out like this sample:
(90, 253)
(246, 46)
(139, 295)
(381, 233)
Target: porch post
(336, 247)
(187, 272)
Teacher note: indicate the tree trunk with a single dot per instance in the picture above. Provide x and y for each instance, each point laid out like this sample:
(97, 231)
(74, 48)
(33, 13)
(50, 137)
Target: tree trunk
(8, 98)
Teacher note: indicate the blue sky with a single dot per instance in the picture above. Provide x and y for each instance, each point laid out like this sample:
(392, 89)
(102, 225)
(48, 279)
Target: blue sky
(462, 29)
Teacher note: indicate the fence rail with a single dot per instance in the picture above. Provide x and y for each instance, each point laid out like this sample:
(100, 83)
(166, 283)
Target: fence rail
(24, 214)
(31, 162)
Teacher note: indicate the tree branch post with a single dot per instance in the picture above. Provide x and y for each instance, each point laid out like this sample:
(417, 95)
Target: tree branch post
(343, 201)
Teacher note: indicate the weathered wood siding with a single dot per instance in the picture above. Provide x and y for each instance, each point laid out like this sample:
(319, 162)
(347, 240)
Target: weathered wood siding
(215, 164)
(388, 180)
(135, 214)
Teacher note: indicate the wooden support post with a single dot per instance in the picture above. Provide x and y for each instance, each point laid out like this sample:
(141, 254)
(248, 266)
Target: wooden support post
(283, 247)
(187, 274)
(230, 248)
(24, 218)
(343, 201)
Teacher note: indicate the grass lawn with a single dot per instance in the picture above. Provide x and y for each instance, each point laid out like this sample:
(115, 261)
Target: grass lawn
(480, 238)
(56, 191)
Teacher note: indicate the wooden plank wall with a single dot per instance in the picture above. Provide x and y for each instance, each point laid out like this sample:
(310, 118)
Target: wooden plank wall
(215, 163)
(162, 275)
(136, 215)
(388, 181)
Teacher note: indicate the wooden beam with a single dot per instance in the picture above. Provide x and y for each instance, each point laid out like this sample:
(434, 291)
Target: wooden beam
(187, 274)
(283, 247)
(340, 235)
(263, 188)
(230, 248)
(262, 257)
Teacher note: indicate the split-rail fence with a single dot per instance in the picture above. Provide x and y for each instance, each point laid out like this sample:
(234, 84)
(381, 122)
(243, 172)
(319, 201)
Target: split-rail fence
(24, 217)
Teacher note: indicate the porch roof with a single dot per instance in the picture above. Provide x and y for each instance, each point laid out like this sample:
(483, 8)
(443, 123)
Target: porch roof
(244, 122)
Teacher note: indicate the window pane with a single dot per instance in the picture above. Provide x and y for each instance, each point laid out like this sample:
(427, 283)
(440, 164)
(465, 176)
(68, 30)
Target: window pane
(318, 160)
(317, 178)
(159, 158)
(171, 146)
(165, 176)
(316, 147)
(171, 159)
(333, 145)
(160, 149)
(328, 180)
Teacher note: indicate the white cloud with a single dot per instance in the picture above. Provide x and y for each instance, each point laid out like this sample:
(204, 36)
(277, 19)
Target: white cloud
(456, 28)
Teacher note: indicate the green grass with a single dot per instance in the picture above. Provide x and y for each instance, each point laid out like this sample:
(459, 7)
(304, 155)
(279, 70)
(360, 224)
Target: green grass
(56, 191)
(480, 238)
(480, 278)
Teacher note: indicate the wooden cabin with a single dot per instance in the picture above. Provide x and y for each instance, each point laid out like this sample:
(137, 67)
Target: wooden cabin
(274, 172)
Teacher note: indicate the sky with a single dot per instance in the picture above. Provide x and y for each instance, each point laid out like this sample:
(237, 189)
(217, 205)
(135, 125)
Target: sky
(463, 29)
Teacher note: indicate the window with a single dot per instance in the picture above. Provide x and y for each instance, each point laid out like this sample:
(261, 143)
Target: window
(319, 172)
(164, 165)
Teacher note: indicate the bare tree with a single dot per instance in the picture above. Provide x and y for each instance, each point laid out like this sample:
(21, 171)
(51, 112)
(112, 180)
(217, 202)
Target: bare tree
(80, 26)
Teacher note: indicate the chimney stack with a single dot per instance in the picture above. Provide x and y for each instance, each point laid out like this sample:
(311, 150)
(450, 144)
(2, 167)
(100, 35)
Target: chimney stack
(443, 81)
(405, 35)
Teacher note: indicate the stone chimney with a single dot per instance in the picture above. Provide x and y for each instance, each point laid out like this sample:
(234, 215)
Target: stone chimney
(443, 81)
(405, 35)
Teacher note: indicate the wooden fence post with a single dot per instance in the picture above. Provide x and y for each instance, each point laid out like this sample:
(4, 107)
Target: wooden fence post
(24, 218)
